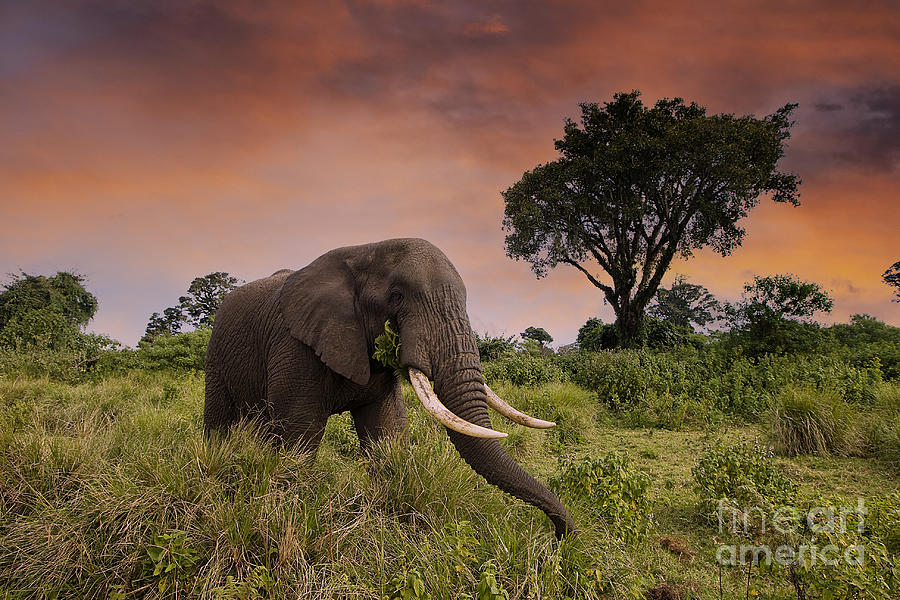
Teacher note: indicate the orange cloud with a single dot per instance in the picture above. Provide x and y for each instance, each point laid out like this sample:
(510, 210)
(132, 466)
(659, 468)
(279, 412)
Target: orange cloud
(491, 26)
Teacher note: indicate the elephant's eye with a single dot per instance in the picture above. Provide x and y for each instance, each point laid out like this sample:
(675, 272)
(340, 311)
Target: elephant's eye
(396, 297)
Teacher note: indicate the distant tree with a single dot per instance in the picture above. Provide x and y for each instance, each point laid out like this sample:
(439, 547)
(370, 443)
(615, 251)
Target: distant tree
(780, 297)
(865, 329)
(46, 311)
(865, 338)
(490, 347)
(538, 334)
(204, 296)
(169, 323)
(775, 314)
(892, 278)
(197, 308)
(594, 336)
(685, 303)
(636, 185)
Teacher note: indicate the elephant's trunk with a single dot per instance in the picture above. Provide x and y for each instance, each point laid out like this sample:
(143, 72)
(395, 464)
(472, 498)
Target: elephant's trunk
(460, 386)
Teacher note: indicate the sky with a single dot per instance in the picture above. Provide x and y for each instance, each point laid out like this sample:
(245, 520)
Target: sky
(148, 143)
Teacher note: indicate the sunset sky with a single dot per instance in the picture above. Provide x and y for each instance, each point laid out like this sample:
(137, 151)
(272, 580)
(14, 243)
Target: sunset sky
(147, 143)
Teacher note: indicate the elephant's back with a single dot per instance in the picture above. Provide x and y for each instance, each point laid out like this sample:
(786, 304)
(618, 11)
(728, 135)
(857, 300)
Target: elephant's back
(244, 325)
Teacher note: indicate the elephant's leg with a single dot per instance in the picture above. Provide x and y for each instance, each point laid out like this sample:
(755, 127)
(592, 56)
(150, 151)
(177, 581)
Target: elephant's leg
(380, 419)
(297, 419)
(219, 410)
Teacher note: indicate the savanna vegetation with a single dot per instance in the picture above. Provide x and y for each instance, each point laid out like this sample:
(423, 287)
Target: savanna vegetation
(108, 489)
(704, 449)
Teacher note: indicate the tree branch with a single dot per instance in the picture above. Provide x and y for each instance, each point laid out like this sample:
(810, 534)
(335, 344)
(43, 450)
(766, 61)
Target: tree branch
(606, 289)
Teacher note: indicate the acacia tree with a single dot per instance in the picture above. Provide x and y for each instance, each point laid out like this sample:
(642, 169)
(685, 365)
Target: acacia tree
(636, 185)
(538, 334)
(892, 278)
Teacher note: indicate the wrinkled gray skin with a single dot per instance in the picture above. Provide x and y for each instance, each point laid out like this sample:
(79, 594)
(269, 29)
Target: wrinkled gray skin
(295, 348)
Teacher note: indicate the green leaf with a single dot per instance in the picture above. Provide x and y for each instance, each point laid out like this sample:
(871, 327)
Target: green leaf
(387, 348)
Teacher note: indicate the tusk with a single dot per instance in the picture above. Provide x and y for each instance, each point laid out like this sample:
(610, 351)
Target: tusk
(440, 412)
(497, 403)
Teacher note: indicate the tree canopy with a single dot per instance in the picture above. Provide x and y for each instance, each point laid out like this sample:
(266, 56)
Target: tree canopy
(685, 303)
(780, 297)
(46, 311)
(634, 186)
(892, 278)
(204, 296)
(197, 308)
(775, 314)
(538, 334)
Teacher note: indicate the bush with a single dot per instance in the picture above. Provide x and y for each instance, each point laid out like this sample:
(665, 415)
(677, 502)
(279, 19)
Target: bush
(709, 380)
(595, 336)
(491, 348)
(779, 337)
(887, 354)
(869, 567)
(810, 421)
(88, 357)
(183, 351)
(656, 333)
(40, 328)
(612, 487)
(742, 476)
(522, 369)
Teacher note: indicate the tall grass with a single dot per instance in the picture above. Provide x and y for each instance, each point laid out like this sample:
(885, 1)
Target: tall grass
(810, 421)
(110, 489)
(880, 426)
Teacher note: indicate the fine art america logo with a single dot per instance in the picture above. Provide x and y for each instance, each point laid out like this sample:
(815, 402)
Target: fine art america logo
(818, 522)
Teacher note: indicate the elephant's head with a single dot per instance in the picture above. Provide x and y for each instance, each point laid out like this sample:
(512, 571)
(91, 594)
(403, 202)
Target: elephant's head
(338, 306)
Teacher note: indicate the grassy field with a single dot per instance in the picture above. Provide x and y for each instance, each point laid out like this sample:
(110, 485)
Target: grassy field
(108, 490)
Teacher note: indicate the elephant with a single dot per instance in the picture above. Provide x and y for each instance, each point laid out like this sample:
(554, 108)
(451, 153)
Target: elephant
(297, 346)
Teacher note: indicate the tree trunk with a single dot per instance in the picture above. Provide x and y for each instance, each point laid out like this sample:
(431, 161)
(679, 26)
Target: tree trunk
(630, 326)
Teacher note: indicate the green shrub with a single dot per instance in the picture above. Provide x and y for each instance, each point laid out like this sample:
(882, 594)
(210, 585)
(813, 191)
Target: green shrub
(872, 573)
(522, 369)
(865, 338)
(595, 336)
(183, 351)
(810, 421)
(612, 488)
(89, 357)
(679, 386)
(779, 337)
(38, 328)
(492, 348)
(655, 333)
(743, 476)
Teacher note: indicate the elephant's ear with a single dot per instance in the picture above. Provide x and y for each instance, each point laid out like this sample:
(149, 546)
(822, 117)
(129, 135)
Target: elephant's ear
(317, 305)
